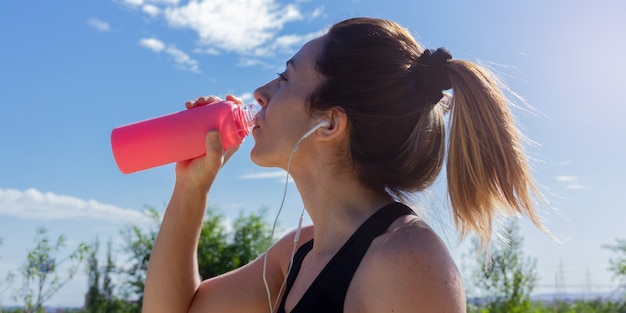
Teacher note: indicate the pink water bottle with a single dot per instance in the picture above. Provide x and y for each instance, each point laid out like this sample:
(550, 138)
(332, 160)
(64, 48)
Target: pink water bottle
(179, 136)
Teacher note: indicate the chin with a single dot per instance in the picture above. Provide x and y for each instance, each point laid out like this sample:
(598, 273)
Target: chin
(264, 158)
(257, 157)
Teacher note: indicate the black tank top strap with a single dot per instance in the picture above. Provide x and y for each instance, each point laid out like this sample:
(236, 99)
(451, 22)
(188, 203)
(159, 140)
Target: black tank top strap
(328, 291)
(297, 263)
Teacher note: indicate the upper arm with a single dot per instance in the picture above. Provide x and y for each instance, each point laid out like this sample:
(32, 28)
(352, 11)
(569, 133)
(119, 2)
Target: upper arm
(243, 289)
(240, 290)
(412, 271)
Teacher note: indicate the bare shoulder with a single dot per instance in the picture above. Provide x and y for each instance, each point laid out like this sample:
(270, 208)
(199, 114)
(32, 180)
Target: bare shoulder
(409, 269)
(226, 293)
(283, 248)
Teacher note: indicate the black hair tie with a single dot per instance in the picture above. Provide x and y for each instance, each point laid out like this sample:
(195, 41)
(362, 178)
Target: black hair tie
(432, 73)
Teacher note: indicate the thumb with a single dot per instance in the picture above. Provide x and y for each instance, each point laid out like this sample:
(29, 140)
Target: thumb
(214, 142)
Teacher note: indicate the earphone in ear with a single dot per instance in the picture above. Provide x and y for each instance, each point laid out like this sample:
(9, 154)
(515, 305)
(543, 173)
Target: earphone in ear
(322, 123)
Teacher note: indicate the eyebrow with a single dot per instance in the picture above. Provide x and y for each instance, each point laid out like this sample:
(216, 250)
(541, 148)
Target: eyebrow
(290, 62)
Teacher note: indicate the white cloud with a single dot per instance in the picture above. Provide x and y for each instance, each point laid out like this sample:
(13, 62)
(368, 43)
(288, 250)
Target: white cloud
(247, 62)
(34, 204)
(208, 51)
(277, 175)
(252, 29)
(170, 2)
(246, 27)
(246, 97)
(233, 25)
(265, 175)
(286, 43)
(151, 10)
(132, 3)
(150, 7)
(319, 11)
(153, 44)
(99, 25)
(575, 186)
(181, 59)
(571, 182)
(565, 178)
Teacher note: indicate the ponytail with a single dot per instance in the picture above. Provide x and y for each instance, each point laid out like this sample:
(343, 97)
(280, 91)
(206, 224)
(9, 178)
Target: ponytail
(391, 90)
(487, 170)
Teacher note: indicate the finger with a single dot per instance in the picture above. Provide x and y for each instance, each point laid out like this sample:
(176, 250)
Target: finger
(191, 104)
(234, 99)
(214, 142)
(207, 100)
(202, 101)
(213, 160)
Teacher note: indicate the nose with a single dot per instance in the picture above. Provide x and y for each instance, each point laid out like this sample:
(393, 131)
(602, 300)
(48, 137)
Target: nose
(260, 97)
(262, 94)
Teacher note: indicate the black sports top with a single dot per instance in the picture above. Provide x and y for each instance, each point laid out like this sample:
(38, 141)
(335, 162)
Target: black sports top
(328, 291)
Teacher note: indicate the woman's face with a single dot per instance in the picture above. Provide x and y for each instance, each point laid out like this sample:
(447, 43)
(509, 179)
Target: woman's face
(283, 118)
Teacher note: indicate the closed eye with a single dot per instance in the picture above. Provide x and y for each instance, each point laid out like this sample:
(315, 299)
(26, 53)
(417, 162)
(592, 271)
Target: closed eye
(282, 76)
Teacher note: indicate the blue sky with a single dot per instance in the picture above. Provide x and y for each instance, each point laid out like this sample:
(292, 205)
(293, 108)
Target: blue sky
(71, 71)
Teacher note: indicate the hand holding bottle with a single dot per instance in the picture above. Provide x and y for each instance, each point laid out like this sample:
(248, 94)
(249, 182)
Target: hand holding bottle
(200, 172)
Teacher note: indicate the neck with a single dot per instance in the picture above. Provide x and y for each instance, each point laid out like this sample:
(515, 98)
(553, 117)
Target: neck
(337, 204)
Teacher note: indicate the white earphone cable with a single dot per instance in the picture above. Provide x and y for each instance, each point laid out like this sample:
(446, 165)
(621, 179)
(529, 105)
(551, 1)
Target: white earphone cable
(295, 241)
(297, 235)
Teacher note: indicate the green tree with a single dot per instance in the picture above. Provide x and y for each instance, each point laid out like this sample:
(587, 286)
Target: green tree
(40, 278)
(617, 266)
(507, 278)
(138, 246)
(93, 278)
(219, 250)
(107, 283)
(212, 246)
(251, 238)
(101, 297)
(5, 283)
(580, 306)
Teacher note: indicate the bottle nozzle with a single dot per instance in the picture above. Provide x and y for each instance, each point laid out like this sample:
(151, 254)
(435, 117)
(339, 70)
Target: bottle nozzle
(245, 115)
(251, 110)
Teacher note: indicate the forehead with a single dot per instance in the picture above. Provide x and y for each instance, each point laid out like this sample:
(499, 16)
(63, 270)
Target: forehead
(307, 55)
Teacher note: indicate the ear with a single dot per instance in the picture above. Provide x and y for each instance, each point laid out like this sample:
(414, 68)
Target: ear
(338, 125)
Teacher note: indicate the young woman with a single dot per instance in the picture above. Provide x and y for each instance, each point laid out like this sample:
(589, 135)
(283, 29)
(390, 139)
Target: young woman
(371, 99)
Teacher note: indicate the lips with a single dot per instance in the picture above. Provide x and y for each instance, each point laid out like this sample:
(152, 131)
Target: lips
(257, 120)
(255, 130)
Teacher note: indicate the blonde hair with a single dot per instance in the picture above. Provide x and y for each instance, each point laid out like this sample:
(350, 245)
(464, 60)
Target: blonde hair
(487, 169)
